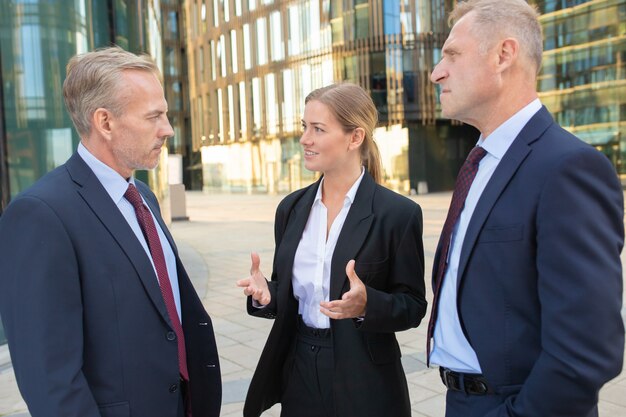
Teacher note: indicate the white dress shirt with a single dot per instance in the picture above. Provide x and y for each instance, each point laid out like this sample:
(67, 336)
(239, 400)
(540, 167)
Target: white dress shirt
(311, 266)
(115, 185)
(451, 348)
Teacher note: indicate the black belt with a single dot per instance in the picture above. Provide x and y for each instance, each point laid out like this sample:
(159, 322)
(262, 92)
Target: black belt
(474, 384)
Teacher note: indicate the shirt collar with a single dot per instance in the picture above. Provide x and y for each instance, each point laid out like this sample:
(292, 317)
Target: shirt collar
(501, 139)
(111, 180)
(349, 195)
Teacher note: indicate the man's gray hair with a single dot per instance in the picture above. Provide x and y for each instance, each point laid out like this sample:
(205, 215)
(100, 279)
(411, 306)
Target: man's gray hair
(93, 79)
(497, 19)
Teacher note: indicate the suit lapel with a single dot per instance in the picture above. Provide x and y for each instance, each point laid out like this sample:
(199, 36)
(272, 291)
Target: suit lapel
(352, 235)
(298, 216)
(96, 197)
(513, 158)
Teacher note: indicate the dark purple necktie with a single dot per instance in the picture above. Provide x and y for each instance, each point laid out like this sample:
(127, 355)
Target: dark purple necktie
(144, 217)
(463, 183)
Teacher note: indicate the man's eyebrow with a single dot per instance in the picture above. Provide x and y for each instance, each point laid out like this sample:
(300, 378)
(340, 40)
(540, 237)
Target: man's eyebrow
(156, 112)
(449, 49)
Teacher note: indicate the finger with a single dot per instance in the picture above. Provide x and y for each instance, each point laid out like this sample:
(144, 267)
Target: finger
(351, 273)
(243, 282)
(330, 305)
(329, 313)
(256, 262)
(336, 306)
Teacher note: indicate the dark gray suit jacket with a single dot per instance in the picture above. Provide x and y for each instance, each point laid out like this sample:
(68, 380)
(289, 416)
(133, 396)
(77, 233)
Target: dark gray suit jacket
(87, 327)
(383, 233)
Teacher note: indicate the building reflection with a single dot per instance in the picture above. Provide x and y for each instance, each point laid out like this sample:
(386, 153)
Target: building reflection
(583, 79)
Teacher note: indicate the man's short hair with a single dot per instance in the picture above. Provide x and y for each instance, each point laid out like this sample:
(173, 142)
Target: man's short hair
(92, 82)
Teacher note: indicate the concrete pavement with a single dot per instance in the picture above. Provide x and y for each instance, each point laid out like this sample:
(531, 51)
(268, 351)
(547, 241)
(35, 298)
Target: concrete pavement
(215, 245)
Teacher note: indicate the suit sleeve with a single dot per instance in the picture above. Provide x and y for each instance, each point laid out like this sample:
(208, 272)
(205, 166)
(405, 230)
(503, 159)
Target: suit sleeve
(402, 304)
(42, 311)
(580, 235)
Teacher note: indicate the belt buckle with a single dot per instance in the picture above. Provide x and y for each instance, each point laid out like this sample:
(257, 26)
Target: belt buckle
(444, 376)
(448, 379)
(476, 387)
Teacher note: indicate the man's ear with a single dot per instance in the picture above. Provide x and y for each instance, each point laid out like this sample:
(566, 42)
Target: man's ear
(508, 52)
(102, 122)
(357, 138)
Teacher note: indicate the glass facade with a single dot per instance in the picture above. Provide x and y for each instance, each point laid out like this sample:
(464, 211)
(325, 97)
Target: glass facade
(175, 82)
(36, 40)
(254, 62)
(583, 78)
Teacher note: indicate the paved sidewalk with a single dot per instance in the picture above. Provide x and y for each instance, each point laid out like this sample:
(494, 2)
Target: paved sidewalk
(215, 245)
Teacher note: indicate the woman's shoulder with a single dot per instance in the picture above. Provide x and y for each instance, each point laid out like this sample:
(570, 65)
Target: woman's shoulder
(389, 200)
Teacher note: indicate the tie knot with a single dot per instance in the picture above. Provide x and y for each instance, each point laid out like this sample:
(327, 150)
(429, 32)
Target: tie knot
(476, 155)
(133, 196)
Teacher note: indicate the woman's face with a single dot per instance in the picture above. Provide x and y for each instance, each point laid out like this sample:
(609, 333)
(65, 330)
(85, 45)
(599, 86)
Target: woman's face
(327, 147)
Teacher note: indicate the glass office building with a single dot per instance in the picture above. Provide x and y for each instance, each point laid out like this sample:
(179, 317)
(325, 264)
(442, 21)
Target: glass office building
(583, 78)
(252, 63)
(37, 38)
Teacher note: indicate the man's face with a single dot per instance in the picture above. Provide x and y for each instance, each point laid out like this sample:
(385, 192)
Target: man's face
(466, 75)
(139, 132)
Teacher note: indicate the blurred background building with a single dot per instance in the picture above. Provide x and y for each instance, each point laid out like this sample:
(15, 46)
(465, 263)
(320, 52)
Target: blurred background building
(583, 79)
(236, 73)
(252, 63)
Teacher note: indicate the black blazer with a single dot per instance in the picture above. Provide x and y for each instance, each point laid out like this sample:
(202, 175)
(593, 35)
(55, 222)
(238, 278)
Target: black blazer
(383, 233)
(87, 327)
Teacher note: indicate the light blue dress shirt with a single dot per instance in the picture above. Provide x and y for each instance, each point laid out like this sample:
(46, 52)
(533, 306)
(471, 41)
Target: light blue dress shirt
(451, 348)
(115, 185)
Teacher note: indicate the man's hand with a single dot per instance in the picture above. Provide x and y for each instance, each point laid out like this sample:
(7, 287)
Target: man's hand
(353, 301)
(256, 284)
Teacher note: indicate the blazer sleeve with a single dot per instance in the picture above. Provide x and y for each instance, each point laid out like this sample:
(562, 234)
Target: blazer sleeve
(42, 310)
(580, 234)
(402, 304)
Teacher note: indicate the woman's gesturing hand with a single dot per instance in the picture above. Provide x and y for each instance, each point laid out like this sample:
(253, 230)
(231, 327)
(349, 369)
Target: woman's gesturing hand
(256, 284)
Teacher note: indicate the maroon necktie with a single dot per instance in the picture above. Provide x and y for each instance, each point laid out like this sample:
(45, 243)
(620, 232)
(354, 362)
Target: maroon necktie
(150, 232)
(463, 183)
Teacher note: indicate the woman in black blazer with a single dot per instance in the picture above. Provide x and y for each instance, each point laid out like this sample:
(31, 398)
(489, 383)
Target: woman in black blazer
(348, 272)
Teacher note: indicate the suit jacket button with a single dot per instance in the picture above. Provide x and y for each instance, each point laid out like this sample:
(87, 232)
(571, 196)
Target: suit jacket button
(171, 336)
(173, 388)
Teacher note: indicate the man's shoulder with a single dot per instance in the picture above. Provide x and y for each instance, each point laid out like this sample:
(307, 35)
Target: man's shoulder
(51, 186)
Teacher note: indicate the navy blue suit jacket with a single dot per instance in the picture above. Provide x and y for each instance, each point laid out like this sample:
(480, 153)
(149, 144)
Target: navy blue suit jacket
(540, 276)
(87, 327)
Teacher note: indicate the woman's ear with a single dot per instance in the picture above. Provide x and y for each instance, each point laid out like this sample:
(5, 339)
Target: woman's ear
(357, 137)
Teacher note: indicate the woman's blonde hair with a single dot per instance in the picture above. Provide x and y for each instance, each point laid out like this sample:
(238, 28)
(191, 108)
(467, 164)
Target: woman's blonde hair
(93, 79)
(353, 107)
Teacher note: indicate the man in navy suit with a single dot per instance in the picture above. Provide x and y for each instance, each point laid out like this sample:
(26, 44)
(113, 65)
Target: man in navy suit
(528, 301)
(102, 319)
